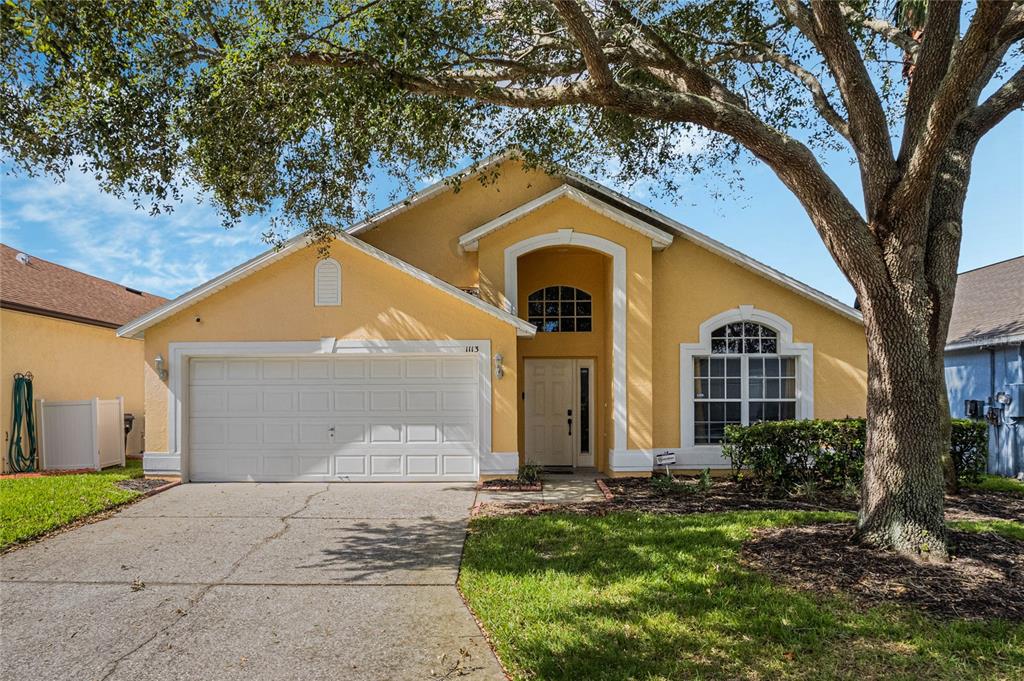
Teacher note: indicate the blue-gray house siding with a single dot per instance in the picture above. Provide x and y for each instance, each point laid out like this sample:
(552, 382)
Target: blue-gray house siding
(978, 374)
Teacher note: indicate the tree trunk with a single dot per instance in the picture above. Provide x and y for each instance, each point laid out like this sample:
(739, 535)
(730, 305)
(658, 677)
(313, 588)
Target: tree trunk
(903, 490)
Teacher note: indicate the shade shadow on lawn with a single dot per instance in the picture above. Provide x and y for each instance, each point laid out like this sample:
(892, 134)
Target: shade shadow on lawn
(641, 596)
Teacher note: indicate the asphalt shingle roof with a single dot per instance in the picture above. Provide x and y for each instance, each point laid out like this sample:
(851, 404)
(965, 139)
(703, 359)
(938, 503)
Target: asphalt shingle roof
(989, 305)
(50, 289)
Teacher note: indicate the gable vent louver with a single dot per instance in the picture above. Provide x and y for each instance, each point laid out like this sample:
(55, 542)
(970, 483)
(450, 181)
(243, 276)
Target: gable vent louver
(328, 283)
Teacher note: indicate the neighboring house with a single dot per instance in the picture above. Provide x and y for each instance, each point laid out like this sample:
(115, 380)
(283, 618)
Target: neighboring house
(59, 325)
(458, 334)
(985, 358)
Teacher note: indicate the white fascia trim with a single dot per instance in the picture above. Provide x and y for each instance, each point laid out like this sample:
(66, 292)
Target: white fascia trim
(711, 455)
(180, 353)
(686, 231)
(727, 252)
(660, 239)
(137, 327)
(617, 252)
(499, 463)
(991, 341)
(429, 192)
(523, 328)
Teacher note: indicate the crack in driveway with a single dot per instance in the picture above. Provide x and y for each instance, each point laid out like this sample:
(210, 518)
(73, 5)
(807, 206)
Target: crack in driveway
(198, 596)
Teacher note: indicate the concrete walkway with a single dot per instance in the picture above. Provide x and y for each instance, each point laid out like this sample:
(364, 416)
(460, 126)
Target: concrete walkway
(557, 489)
(249, 581)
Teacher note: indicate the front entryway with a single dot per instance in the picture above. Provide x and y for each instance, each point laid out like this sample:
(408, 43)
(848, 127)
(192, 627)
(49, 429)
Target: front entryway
(559, 415)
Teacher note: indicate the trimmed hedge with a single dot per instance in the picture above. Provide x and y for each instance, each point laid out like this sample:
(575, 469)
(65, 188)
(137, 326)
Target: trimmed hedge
(781, 455)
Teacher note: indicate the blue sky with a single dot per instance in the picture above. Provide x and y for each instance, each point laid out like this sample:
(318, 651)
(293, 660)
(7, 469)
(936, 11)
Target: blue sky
(75, 224)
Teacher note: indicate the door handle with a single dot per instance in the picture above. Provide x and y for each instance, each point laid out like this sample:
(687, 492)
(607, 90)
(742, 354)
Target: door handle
(570, 422)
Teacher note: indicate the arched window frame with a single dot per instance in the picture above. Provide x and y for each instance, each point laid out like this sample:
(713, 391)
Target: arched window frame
(581, 301)
(803, 353)
(322, 298)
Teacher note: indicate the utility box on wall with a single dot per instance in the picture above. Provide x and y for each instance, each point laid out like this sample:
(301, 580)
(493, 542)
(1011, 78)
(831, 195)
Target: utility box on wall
(1013, 407)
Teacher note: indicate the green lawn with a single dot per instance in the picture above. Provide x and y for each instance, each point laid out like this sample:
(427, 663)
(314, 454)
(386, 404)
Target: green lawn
(641, 596)
(31, 506)
(997, 483)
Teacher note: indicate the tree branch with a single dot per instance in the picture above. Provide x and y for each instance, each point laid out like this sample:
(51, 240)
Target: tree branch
(752, 53)
(941, 31)
(586, 39)
(951, 100)
(883, 29)
(1004, 101)
(869, 128)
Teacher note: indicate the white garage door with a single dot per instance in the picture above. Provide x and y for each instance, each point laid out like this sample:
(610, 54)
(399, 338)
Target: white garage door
(409, 417)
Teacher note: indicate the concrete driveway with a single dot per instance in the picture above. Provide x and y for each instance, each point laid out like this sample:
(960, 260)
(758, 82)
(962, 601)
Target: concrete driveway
(249, 581)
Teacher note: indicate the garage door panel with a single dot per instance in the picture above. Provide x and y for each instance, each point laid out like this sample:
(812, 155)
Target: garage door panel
(243, 369)
(278, 369)
(314, 401)
(386, 368)
(359, 418)
(350, 401)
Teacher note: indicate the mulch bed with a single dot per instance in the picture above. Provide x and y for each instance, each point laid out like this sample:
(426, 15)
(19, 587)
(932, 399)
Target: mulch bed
(984, 580)
(725, 495)
(977, 505)
(141, 484)
(510, 486)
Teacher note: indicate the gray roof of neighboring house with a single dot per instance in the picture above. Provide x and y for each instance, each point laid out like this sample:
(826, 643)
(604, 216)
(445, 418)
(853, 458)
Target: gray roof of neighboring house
(989, 306)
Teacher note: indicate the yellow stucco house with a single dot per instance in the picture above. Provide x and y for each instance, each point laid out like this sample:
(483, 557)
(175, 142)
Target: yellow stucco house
(457, 334)
(60, 325)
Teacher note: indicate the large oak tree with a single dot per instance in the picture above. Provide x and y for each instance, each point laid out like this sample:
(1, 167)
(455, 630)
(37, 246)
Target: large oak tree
(290, 106)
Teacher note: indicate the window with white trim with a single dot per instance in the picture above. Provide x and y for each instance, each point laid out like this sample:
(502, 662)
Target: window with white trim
(327, 282)
(560, 309)
(743, 380)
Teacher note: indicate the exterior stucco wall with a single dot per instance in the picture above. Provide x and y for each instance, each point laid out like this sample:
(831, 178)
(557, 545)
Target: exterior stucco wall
(427, 235)
(692, 284)
(378, 303)
(567, 214)
(582, 269)
(70, 361)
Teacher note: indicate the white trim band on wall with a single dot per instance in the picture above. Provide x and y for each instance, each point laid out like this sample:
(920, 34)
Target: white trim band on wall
(562, 237)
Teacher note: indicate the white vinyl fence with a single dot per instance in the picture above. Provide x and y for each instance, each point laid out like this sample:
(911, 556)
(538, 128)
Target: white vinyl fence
(80, 434)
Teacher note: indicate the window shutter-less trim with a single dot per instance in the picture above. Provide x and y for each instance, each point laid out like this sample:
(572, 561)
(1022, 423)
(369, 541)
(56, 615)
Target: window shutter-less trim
(328, 283)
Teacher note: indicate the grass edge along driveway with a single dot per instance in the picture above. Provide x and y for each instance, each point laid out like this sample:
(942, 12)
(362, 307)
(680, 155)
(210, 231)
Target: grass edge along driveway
(659, 597)
(30, 507)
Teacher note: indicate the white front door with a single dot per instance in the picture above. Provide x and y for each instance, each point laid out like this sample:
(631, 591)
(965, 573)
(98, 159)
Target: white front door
(559, 417)
(353, 417)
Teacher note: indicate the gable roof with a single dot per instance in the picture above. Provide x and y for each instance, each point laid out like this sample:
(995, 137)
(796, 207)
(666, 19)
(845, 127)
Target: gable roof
(628, 206)
(137, 327)
(660, 239)
(37, 286)
(989, 306)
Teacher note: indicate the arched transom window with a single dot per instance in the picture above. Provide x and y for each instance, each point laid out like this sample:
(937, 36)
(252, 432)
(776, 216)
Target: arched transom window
(560, 309)
(743, 380)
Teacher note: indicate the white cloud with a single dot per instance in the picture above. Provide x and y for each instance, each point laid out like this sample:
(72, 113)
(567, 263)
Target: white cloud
(77, 225)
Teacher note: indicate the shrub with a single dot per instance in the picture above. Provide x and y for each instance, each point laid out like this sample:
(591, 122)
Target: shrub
(783, 456)
(969, 448)
(529, 473)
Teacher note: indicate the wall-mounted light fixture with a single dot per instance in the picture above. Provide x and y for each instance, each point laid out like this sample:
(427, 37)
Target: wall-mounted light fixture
(161, 371)
(499, 369)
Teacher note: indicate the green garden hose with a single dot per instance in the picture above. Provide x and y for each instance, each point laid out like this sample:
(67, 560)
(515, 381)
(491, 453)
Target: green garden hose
(21, 407)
